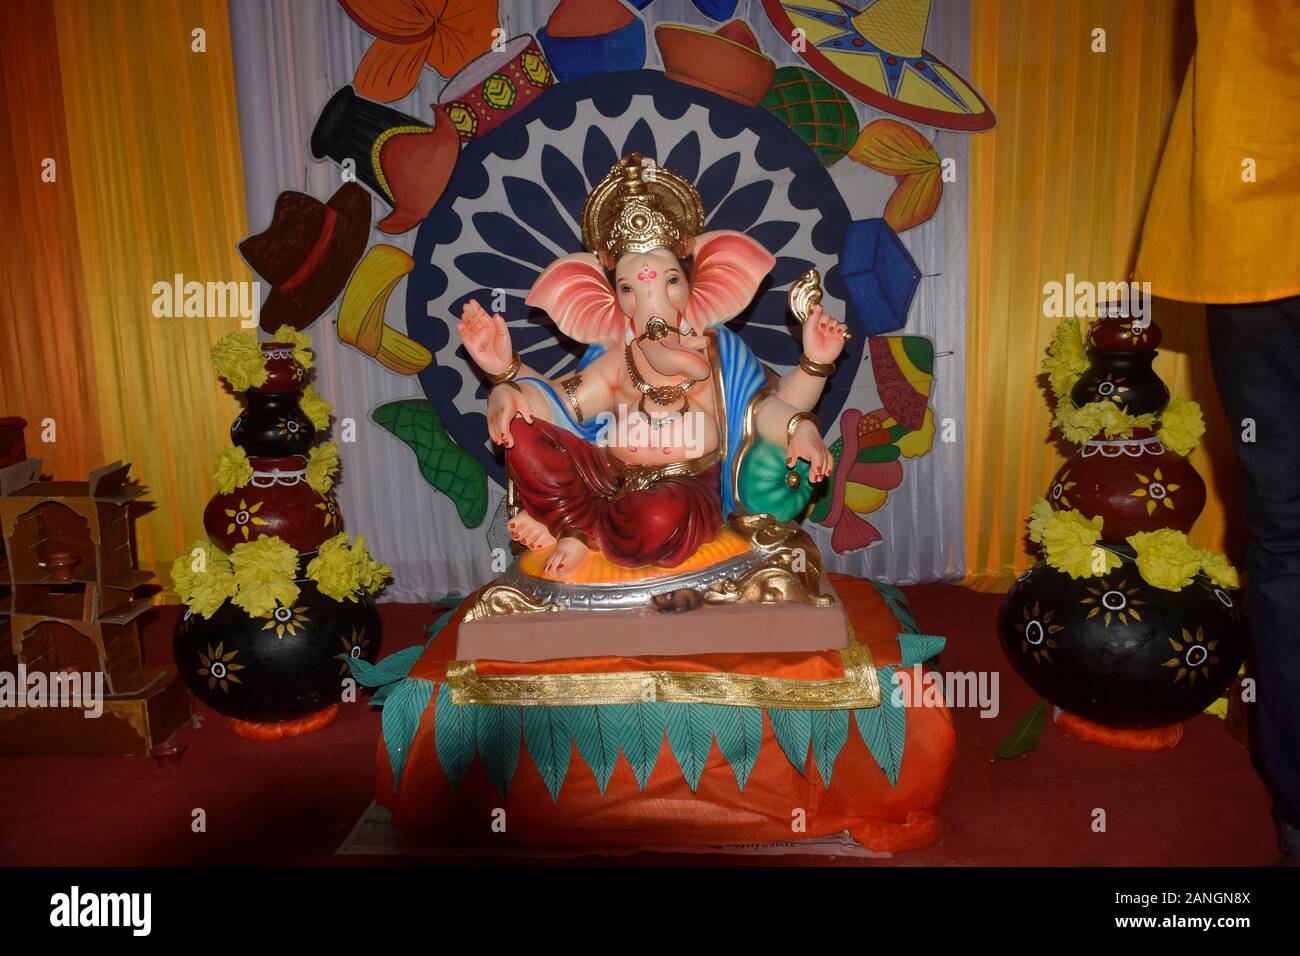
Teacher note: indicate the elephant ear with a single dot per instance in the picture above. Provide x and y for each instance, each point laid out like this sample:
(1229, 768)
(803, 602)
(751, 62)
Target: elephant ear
(728, 269)
(574, 292)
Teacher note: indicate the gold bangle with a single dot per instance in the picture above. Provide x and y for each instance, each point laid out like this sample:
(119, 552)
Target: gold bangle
(571, 386)
(509, 374)
(816, 369)
(795, 419)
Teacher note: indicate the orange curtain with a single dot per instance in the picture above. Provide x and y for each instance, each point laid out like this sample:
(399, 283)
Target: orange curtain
(144, 132)
(1060, 187)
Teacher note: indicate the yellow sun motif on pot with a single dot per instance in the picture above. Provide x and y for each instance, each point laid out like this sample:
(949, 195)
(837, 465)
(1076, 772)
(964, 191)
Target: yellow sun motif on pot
(1112, 386)
(355, 645)
(244, 517)
(1117, 603)
(219, 667)
(1155, 490)
(1193, 656)
(1036, 630)
(286, 620)
(1061, 490)
(290, 426)
(330, 509)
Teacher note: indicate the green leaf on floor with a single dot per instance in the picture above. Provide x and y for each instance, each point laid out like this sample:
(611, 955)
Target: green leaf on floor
(1024, 738)
(444, 464)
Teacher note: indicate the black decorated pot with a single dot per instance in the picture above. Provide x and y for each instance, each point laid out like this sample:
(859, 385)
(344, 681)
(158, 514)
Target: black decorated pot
(1125, 378)
(282, 667)
(1118, 651)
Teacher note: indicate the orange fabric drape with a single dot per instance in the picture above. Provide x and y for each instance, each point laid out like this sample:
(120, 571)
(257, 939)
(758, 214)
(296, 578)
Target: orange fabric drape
(144, 131)
(44, 339)
(1060, 187)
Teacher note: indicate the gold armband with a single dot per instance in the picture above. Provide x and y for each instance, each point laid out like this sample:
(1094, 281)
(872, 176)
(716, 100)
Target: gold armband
(509, 374)
(571, 386)
(795, 419)
(817, 369)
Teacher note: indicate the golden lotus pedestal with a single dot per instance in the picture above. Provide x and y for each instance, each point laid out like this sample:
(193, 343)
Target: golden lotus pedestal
(759, 587)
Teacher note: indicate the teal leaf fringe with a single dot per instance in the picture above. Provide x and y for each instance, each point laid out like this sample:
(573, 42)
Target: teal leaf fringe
(793, 730)
(884, 728)
(455, 735)
(401, 718)
(690, 737)
(830, 731)
(595, 731)
(919, 648)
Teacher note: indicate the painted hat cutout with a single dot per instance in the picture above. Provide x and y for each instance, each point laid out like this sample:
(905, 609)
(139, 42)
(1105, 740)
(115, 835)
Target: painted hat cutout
(713, 9)
(496, 86)
(592, 36)
(307, 253)
(412, 34)
(405, 162)
(875, 55)
(727, 62)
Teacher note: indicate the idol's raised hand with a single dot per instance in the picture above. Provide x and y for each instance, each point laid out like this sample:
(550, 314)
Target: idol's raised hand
(486, 338)
(823, 336)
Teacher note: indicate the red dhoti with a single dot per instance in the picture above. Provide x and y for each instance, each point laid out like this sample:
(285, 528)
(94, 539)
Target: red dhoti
(636, 516)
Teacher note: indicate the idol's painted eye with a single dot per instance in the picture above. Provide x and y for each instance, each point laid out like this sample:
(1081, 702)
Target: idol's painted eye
(625, 289)
(673, 280)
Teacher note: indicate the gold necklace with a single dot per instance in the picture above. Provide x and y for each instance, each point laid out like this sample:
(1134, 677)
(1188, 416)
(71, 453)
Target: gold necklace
(662, 420)
(659, 394)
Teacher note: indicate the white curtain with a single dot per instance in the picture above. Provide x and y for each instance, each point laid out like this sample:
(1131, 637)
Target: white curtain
(291, 55)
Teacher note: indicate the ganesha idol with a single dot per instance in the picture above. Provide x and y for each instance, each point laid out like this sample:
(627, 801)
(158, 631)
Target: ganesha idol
(662, 472)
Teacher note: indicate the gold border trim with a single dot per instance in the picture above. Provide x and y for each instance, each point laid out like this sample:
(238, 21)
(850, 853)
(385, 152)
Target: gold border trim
(858, 688)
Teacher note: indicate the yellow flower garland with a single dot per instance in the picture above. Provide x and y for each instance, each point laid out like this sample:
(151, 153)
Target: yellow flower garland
(339, 570)
(300, 341)
(315, 408)
(322, 466)
(237, 358)
(1039, 515)
(230, 469)
(1181, 426)
(1165, 559)
(202, 578)
(1069, 543)
(265, 569)
(1066, 359)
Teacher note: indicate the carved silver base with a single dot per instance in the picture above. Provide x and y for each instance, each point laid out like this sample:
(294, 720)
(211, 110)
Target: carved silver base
(783, 564)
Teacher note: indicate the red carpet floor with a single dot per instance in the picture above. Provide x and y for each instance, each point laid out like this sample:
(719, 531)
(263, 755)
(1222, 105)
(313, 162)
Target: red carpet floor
(294, 801)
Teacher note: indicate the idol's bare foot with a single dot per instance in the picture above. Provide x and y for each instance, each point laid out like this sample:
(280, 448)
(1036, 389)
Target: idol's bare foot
(530, 532)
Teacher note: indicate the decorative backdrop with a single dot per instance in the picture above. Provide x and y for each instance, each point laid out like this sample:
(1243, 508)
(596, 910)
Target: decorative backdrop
(509, 207)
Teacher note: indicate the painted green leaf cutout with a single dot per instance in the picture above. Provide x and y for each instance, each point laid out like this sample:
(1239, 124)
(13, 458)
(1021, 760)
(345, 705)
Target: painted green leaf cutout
(401, 719)
(740, 735)
(830, 731)
(498, 730)
(919, 648)
(690, 737)
(546, 732)
(596, 733)
(455, 735)
(884, 728)
(793, 730)
(640, 732)
(444, 464)
(1024, 737)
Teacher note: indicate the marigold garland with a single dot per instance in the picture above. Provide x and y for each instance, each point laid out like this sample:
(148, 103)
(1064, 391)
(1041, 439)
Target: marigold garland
(237, 358)
(231, 469)
(301, 342)
(203, 579)
(340, 571)
(1069, 543)
(1066, 359)
(315, 408)
(1181, 426)
(265, 569)
(322, 466)
(1165, 559)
